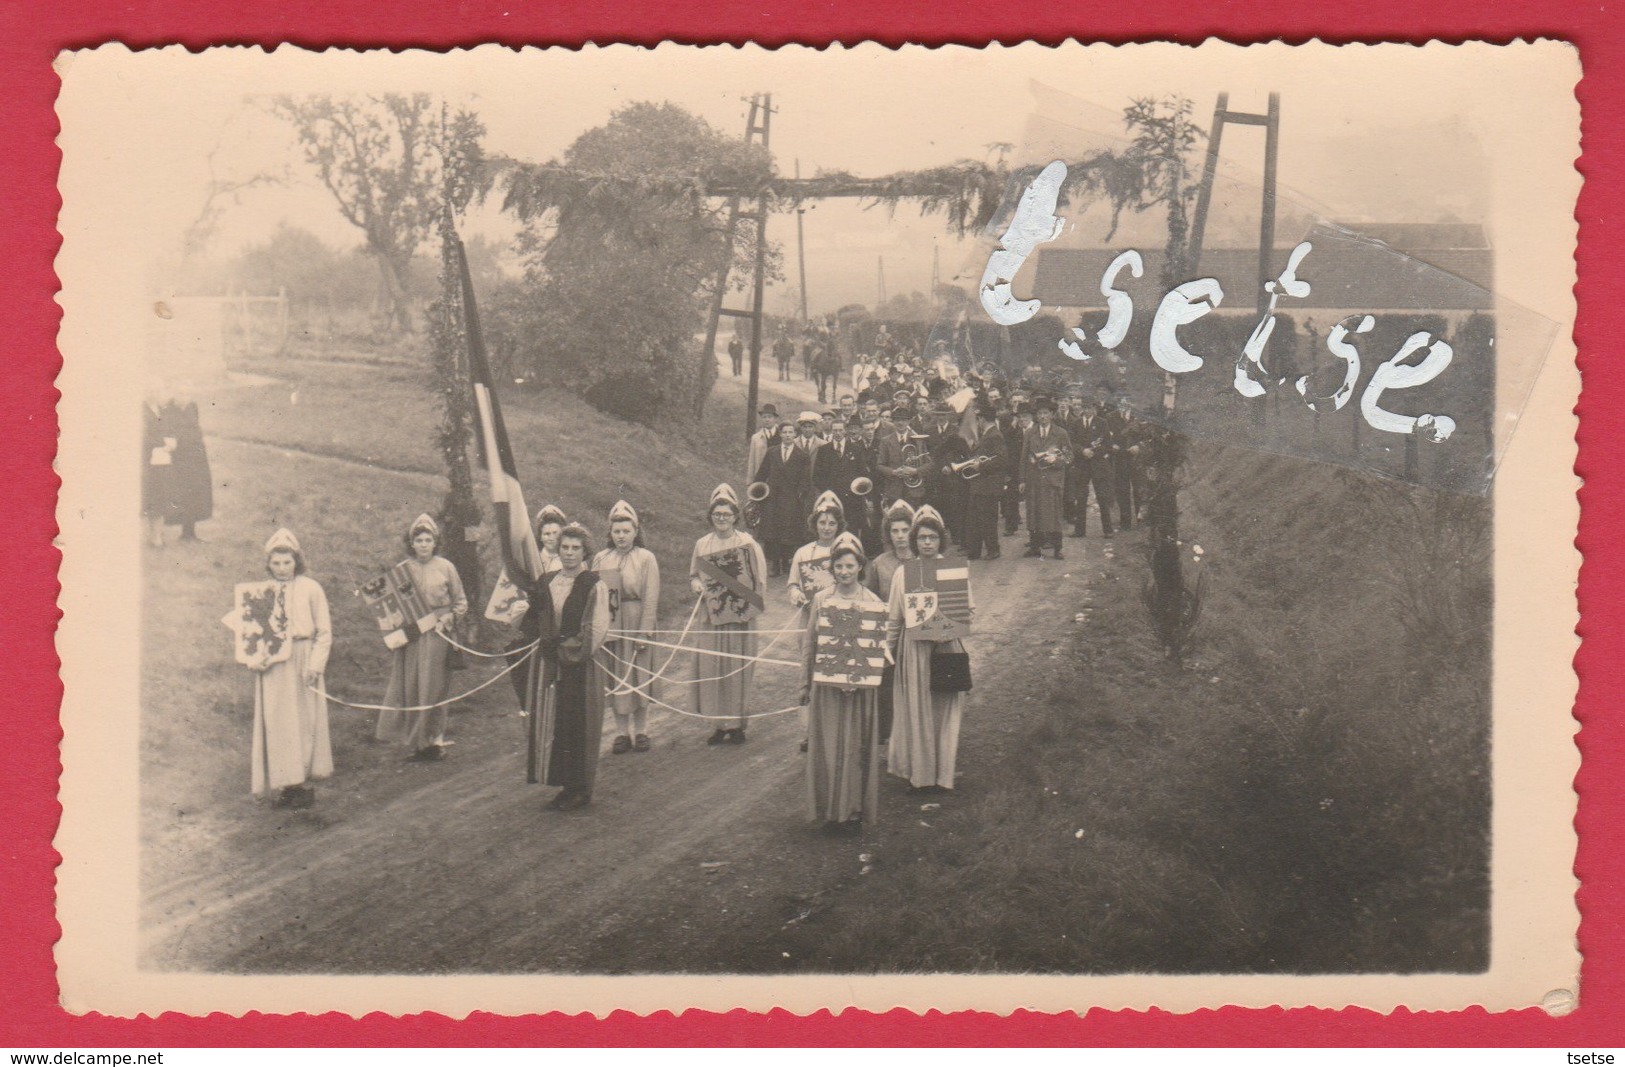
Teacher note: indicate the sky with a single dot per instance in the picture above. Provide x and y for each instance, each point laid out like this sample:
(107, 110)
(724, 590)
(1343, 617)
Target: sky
(1367, 133)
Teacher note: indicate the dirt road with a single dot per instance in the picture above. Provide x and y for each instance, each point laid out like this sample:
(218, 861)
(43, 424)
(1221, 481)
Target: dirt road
(462, 868)
(689, 857)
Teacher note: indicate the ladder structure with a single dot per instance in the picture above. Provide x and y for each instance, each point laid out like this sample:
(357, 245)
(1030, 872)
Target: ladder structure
(757, 130)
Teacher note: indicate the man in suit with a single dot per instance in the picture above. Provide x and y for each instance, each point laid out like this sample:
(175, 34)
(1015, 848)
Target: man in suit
(1045, 454)
(1012, 428)
(787, 470)
(1092, 469)
(767, 423)
(984, 491)
(736, 354)
(836, 465)
(900, 457)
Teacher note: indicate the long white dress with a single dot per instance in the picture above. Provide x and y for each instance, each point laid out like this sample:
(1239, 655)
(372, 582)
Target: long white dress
(722, 687)
(925, 725)
(637, 606)
(419, 671)
(291, 744)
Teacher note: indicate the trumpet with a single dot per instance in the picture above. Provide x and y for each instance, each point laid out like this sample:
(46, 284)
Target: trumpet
(1047, 458)
(862, 487)
(969, 468)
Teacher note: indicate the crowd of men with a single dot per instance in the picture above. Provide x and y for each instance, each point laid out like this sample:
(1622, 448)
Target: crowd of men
(990, 454)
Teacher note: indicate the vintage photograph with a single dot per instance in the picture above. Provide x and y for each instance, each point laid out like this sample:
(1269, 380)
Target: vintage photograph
(1031, 514)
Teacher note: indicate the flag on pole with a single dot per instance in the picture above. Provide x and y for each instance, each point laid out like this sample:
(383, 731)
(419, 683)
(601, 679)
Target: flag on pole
(519, 550)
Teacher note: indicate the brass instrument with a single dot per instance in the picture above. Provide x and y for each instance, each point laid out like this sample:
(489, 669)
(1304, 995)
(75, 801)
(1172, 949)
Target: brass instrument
(862, 487)
(969, 468)
(914, 458)
(755, 493)
(1047, 458)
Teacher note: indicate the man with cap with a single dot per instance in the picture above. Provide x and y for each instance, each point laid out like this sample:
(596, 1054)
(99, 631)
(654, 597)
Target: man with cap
(900, 459)
(736, 354)
(1045, 453)
(787, 470)
(986, 489)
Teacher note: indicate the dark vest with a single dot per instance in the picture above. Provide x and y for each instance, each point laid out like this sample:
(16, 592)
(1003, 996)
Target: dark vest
(575, 610)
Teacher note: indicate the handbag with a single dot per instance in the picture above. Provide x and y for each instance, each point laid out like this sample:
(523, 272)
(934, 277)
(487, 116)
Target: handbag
(950, 672)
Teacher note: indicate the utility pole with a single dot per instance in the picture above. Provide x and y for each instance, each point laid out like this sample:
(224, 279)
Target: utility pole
(1271, 121)
(882, 287)
(757, 129)
(801, 250)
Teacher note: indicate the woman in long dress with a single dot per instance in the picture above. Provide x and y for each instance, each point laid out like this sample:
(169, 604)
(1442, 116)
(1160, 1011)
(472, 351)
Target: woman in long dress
(418, 670)
(925, 732)
(726, 622)
(843, 724)
(809, 571)
(898, 520)
(809, 567)
(291, 745)
(571, 608)
(635, 607)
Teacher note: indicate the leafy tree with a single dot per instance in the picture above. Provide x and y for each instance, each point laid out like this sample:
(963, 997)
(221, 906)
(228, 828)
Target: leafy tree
(1164, 138)
(295, 259)
(384, 159)
(622, 244)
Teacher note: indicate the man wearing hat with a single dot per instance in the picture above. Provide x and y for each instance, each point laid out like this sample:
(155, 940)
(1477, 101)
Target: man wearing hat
(1009, 427)
(736, 354)
(986, 489)
(767, 428)
(944, 487)
(1045, 455)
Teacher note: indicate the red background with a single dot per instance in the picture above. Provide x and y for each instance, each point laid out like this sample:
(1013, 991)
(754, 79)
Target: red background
(29, 38)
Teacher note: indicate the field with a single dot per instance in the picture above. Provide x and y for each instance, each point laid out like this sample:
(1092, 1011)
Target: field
(1309, 793)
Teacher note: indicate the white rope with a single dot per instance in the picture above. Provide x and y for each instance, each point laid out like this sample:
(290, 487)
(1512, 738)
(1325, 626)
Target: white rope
(638, 633)
(491, 655)
(687, 626)
(424, 707)
(757, 658)
(618, 691)
(723, 718)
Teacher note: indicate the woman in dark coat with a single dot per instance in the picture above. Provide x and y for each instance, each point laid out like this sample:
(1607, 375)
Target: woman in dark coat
(192, 498)
(571, 615)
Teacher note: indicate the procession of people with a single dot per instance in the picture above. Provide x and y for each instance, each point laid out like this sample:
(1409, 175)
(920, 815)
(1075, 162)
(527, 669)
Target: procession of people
(869, 512)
